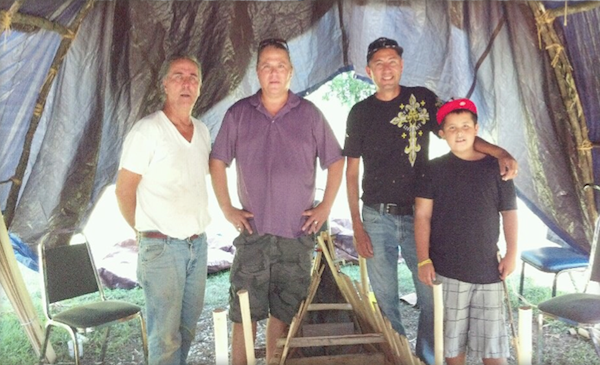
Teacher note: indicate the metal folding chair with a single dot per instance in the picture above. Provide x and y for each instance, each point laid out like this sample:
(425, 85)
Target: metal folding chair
(578, 309)
(69, 272)
(555, 260)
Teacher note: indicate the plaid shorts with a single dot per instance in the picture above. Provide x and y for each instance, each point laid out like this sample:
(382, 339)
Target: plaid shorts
(276, 273)
(474, 317)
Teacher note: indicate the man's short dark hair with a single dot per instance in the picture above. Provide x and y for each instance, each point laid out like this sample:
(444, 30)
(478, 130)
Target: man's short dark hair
(382, 43)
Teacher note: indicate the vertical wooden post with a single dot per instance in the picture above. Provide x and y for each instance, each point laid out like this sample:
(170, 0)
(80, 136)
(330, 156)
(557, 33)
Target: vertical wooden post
(247, 325)
(525, 347)
(220, 328)
(438, 324)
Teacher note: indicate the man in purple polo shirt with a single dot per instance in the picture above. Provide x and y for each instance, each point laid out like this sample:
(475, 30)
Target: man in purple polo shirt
(275, 137)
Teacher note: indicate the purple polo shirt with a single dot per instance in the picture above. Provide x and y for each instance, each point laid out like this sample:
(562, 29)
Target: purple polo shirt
(276, 160)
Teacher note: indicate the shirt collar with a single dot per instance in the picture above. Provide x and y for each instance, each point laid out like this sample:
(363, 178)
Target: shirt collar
(292, 102)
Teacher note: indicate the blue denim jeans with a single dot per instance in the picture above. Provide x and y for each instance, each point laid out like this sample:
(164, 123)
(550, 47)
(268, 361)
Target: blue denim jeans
(172, 273)
(386, 232)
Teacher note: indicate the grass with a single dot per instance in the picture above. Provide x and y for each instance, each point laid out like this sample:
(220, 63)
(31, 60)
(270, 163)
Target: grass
(16, 350)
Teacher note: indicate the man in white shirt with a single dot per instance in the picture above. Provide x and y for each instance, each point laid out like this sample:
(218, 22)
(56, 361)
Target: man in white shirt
(161, 191)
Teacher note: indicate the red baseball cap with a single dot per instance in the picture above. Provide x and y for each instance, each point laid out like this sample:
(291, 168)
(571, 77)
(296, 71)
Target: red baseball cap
(453, 105)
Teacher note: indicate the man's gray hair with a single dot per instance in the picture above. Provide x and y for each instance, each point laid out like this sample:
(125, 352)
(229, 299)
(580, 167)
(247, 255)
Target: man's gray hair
(166, 66)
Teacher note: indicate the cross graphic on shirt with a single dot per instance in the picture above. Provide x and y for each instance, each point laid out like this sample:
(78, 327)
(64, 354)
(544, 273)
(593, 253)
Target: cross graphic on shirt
(410, 118)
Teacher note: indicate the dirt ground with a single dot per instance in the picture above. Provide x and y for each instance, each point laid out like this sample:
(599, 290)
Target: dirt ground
(556, 343)
(560, 347)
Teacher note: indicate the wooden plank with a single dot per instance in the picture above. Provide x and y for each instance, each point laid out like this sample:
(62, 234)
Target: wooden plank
(18, 295)
(329, 306)
(298, 318)
(320, 341)
(328, 329)
(286, 343)
(317, 262)
(350, 359)
(364, 277)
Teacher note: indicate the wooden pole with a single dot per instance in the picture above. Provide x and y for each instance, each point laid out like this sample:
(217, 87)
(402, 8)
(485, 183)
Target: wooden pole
(573, 8)
(247, 325)
(515, 338)
(525, 346)
(540, 338)
(16, 291)
(438, 323)
(63, 48)
(364, 277)
(582, 170)
(221, 344)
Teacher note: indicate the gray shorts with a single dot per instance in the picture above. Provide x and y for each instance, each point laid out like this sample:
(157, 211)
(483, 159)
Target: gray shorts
(276, 273)
(474, 317)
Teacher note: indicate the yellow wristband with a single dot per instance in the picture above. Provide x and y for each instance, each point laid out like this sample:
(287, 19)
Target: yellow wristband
(424, 262)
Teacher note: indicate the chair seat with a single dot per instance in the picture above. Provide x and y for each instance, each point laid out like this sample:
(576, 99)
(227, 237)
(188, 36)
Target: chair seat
(554, 259)
(575, 309)
(97, 313)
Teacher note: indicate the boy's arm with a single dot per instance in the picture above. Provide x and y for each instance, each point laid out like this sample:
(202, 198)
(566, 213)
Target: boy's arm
(510, 225)
(508, 165)
(423, 211)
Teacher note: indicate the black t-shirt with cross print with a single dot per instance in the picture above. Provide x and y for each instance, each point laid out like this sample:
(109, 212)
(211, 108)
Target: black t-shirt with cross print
(392, 137)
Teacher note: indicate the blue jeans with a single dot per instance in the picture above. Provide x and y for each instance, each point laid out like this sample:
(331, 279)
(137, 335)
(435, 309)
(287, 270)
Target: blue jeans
(172, 273)
(386, 232)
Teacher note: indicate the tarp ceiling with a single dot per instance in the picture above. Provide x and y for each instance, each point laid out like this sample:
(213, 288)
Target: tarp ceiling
(108, 80)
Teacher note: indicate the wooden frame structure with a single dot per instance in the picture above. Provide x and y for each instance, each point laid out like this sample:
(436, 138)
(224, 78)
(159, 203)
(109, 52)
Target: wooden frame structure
(368, 339)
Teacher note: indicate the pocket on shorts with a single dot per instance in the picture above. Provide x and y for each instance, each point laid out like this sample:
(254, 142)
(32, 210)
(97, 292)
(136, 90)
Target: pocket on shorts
(245, 239)
(308, 241)
(152, 250)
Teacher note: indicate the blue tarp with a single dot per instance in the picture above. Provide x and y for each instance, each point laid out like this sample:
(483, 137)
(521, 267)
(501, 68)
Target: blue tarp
(23, 253)
(108, 80)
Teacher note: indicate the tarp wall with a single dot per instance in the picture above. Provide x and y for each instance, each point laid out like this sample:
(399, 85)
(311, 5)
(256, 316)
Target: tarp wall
(109, 80)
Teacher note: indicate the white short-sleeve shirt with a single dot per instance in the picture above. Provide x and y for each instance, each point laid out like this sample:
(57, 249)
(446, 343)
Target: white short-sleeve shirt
(172, 195)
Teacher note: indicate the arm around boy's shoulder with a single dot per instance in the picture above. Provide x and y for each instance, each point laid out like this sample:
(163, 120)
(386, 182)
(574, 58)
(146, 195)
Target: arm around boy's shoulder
(506, 188)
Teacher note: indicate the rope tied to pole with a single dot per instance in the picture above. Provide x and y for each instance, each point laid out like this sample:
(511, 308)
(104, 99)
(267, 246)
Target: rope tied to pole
(586, 145)
(6, 21)
(39, 108)
(70, 34)
(6, 18)
(12, 179)
(559, 49)
(544, 18)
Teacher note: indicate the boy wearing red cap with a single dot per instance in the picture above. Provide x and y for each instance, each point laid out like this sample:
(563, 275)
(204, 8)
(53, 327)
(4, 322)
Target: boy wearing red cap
(460, 199)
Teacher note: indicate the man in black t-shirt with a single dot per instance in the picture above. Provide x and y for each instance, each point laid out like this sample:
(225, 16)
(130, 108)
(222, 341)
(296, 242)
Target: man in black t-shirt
(390, 132)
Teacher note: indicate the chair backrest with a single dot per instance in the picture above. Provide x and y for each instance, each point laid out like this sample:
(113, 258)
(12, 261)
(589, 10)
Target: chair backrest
(69, 272)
